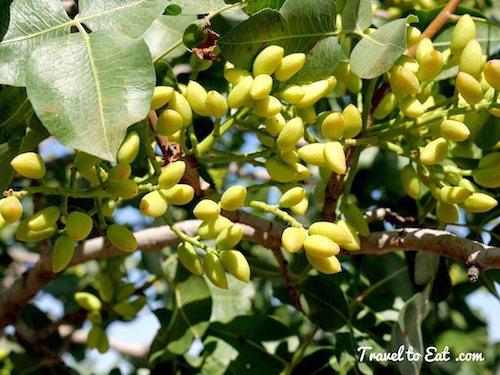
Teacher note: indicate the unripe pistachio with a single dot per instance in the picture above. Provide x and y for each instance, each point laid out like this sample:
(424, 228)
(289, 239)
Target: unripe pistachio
(189, 258)
(214, 270)
(293, 239)
(85, 161)
(292, 197)
(29, 165)
(407, 62)
(492, 73)
(88, 301)
(335, 157)
(216, 104)
(447, 213)
(125, 189)
(454, 130)
(290, 134)
(211, 229)
(267, 107)
(471, 59)
(120, 172)
(78, 225)
(235, 75)
(206, 210)
(355, 243)
(279, 171)
(453, 194)
(11, 209)
(275, 124)
(328, 266)
(261, 87)
(430, 66)
(424, 47)
(410, 181)
(314, 92)
(290, 65)
(122, 237)
(386, 106)
(62, 253)
(300, 208)
(290, 157)
(124, 291)
(490, 161)
(94, 336)
(333, 126)
(179, 194)
(355, 217)
(108, 207)
(233, 198)
(353, 121)
(292, 93)
(44, 218)
(331, 230)
(413, 36)
(307, 114)
(405, 81)
(434, 152)
(266, 140)
(469, 88)
(268, 60)
(95, 175)
(23, 233)
(320, 246)
(125, 309)
(161, 96)
(229, 237)
(467, 184)
(94, 317)
(479, 202)
(353, 83)
(342, 70)
(181, 105)
(169, 122)
(129, 149)
(313, 153)
(153, 204)
(236, 264)
(411, 107)
(302, 172)
(240, 94)
(489, 178)
(196, 96)
(172, 174)
(463, 32)
(105, 287)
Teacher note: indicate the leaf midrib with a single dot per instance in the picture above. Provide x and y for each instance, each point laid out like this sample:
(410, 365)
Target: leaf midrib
(68, 23)
(298, 36)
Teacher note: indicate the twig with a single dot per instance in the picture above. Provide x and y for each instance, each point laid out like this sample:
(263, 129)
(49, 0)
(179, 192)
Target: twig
(292, 290)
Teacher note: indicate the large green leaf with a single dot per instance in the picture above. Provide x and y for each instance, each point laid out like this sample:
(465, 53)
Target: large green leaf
(324, 303)
(131, 17)
(357, 15)
(188, 319)
(88, 88)
(195, 7)
(15, 108)
(165, 32)
(255, 6)
(326, 50)
(297, 27)
(231, 302)
(381, 49)
(31, 22)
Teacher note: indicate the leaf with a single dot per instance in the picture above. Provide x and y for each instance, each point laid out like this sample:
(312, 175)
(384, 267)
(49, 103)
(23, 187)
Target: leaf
(218, 355)
(231, 302)
(381, 49)
(31, 22)
(324, 303)
(255, 6)
(246, 334)
(357, 15)
(188, 319)
(327, 49)
(408, 330)
(315, 362)
(195, 7)
(15, 108)
(11, 149)
(426, 266)
(297, 28)
(131, 17)
(164, 33)
(4, 17)
(89, 106)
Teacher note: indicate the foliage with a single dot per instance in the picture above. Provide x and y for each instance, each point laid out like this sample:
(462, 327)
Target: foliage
(270, 147)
